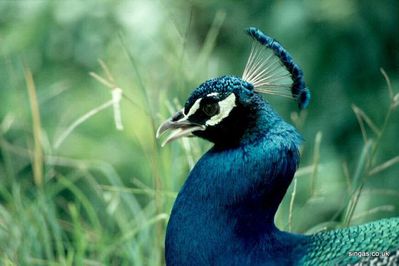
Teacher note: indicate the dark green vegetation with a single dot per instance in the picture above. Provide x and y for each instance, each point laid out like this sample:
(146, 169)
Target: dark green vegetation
(102, 196)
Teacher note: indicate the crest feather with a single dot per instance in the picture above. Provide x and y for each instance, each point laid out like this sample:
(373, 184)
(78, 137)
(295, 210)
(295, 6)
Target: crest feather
(271, 70)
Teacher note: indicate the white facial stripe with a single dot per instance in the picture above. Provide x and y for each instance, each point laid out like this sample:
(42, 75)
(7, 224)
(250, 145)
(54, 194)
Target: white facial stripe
(225, 108)
(212, 94)
(194, 107)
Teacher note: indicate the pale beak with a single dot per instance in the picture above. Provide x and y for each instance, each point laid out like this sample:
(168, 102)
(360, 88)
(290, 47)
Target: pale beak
(180, 127)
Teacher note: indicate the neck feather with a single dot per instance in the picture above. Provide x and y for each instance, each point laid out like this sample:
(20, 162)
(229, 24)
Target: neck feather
(232, 194)
(248, 181)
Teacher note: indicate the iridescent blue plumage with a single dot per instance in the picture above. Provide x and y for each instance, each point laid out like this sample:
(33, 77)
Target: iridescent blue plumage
(224, 213)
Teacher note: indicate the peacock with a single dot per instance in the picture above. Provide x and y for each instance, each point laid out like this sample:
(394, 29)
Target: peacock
(224, 213)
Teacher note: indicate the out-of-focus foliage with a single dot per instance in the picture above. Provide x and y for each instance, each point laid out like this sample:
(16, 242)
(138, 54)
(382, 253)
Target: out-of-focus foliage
(104, 195)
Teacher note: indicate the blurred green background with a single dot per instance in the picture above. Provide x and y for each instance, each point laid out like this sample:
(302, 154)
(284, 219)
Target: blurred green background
(101, 196)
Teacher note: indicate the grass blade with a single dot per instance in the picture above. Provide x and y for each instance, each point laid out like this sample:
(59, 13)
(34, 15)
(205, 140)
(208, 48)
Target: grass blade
(316, 161)
(361, 165)
(209, 43)
(293, 194)
(384, 166)
(81, 120)
(352, 206)
(383, 208)
(389, 85)
(37, 149)
(361, 116)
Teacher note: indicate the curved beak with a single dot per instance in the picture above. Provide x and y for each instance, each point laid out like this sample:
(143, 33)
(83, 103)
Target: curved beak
(179, 126)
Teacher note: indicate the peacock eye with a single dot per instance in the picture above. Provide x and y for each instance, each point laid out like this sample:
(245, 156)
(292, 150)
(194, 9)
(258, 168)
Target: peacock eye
(210, 109)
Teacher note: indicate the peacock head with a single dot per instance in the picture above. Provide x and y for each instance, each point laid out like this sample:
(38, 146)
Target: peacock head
(218, 110)
(221, 109)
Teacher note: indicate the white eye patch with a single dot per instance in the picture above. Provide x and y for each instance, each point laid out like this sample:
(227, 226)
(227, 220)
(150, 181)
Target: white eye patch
(194, 107)
(225, 107)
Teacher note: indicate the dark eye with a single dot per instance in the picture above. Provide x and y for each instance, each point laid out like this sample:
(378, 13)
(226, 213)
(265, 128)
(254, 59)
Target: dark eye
(210, 109)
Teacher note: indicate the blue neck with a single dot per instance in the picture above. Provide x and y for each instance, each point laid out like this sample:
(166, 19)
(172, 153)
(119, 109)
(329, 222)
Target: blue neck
(228, 203)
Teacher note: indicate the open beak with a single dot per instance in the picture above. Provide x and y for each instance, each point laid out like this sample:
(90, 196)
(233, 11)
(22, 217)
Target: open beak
(180, 127)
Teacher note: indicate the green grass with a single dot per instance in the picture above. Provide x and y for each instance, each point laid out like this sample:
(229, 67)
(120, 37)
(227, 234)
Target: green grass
(60, 210)
(352, 189)
(82, 212)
